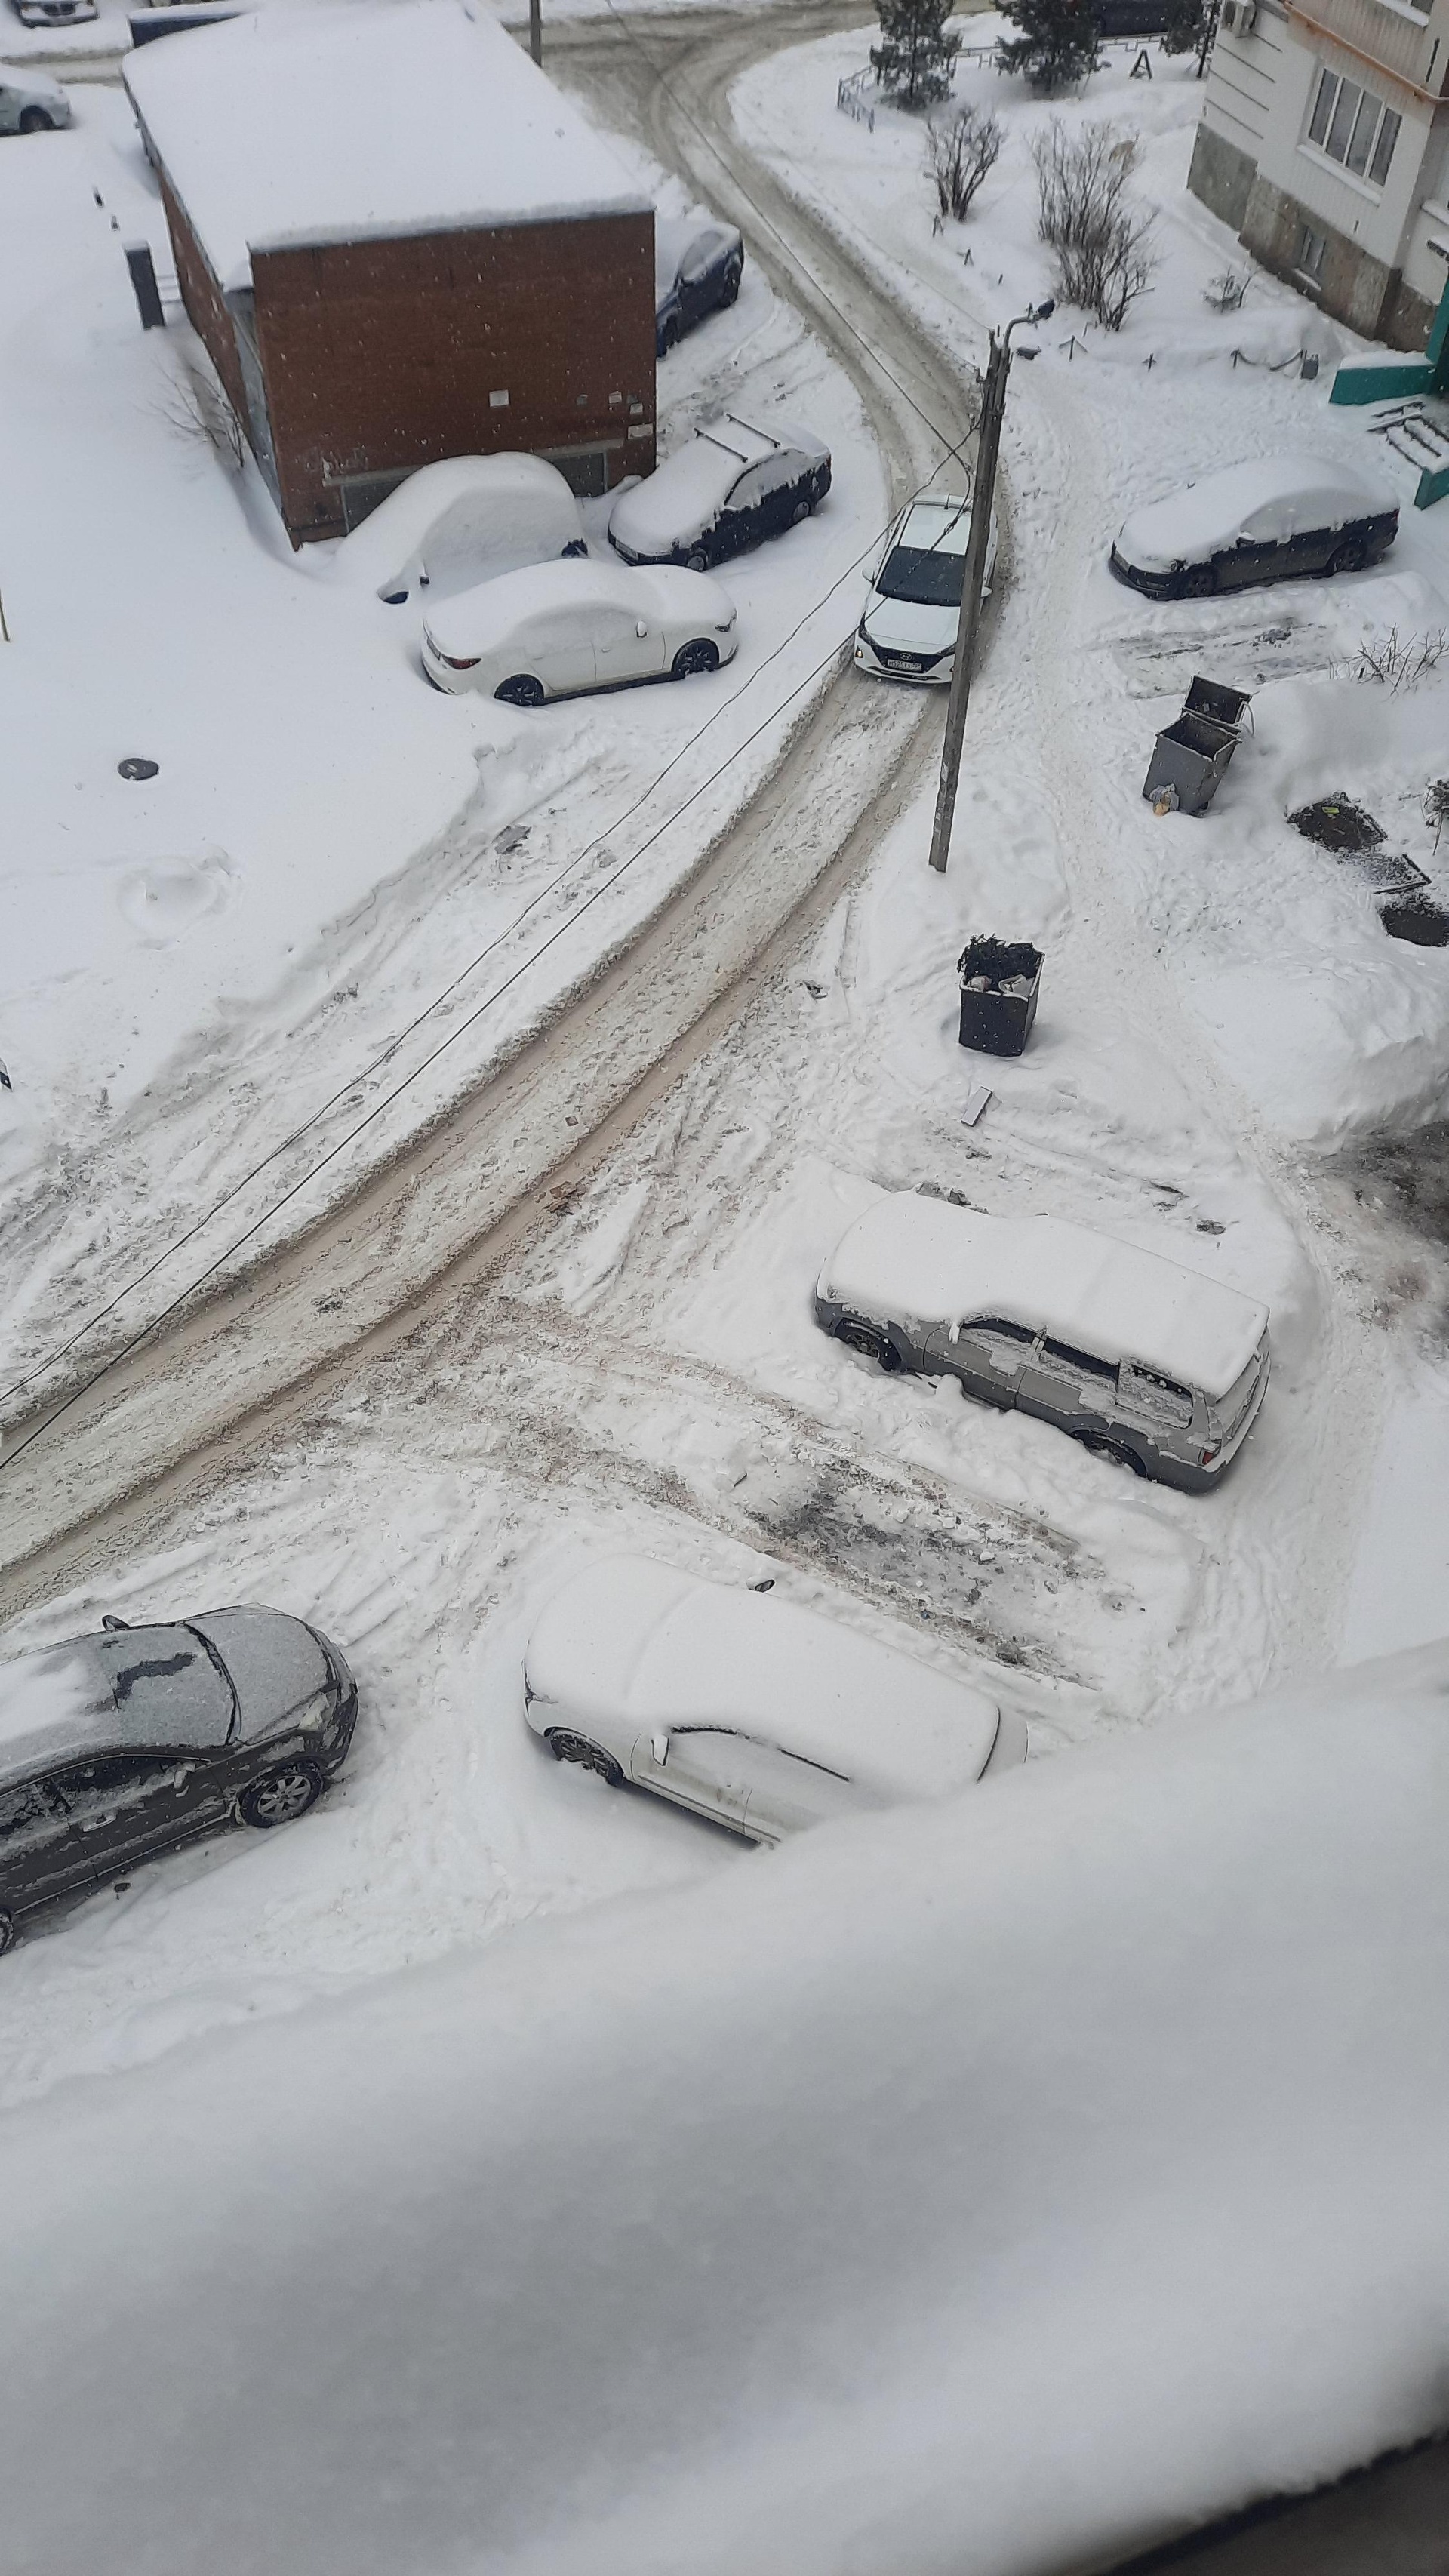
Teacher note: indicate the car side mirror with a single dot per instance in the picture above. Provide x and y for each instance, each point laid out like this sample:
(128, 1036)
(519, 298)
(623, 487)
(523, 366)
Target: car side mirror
(659, 1747)
(641, 626)
(954, 1334)
(111, 1621)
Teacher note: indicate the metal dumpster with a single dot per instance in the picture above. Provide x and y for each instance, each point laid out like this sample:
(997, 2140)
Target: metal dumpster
(1190, 756)
(1000, 981)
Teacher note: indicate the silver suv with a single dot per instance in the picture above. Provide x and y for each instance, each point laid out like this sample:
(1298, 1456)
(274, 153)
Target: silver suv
(1142, 1360)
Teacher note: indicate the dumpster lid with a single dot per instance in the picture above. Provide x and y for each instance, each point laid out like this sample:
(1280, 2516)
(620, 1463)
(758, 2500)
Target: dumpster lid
(1212, 698)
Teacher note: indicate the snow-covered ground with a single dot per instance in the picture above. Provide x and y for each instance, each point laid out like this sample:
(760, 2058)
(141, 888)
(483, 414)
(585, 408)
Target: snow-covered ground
(1220, 1005)
(198, 963)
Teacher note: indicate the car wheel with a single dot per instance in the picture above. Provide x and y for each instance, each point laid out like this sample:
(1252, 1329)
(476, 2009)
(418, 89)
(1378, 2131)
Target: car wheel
(1351, 556)
(1116, 1451)
(1198, 582)
(730, 285)
(33, 120)
(871, 1344)
(591, 1757)
(667, 338)
(694, 562)
(694, 658)
(521, 691)
(801, 511)
(7, 1931)
(280, 1796)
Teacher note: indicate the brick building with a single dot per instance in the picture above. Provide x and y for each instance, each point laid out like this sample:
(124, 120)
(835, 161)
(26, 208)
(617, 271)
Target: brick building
(399, 243)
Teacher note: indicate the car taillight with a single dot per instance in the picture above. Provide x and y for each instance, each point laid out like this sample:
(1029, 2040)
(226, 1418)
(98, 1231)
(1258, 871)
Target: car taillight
(1208, 1455)
(454, 661)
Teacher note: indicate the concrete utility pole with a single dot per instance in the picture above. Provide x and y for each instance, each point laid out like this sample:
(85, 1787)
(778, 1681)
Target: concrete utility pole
(535, 29)
(983, 486)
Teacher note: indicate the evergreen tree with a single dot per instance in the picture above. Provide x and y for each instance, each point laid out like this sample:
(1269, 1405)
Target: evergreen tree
(913, 60)
(1059, 44)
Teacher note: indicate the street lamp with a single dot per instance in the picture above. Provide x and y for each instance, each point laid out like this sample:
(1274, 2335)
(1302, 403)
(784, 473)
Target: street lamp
(983, 486)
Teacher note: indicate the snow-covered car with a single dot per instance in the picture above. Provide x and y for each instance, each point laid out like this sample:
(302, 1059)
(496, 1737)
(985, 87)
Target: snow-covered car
(462, 521)
(29, 103)
(728, 489)
(697, 269)
(562, 628)
(1141, 1359)
(54, 13)
(120, 1745)
(913, 608)
(1271, 519)
(766, 1717)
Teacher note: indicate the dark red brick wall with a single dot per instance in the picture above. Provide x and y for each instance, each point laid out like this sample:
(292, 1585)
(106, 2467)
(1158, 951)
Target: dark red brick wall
(381, 356)
(202, 298)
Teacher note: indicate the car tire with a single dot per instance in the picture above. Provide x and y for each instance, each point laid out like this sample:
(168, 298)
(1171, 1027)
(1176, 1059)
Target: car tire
(33, 120)
(279, 1796)
(1116, 1452)
(1198, 582)
(521, 691)
(1351, 556)
(801, 511)
(693, 659)
(870, 1344)
(730, 285)
(590, 1757)
(666, 340)
(7, 1932)
(695, 562)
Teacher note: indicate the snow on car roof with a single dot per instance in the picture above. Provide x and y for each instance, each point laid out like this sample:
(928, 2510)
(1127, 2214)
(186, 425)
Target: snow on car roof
(334, 125)
(91, 1693)
(925, 1261)
(1297, 492)
(493, 610)
(943, 525)
(631, 1637)
(687, 492)
(674, 238)
(520, 491)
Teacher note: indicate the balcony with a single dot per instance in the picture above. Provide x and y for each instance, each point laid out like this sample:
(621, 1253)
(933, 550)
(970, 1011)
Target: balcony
(1383, 35)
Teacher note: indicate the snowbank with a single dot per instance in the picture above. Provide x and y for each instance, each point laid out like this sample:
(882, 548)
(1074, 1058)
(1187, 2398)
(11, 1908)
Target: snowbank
(327, 125)
(978, 2187)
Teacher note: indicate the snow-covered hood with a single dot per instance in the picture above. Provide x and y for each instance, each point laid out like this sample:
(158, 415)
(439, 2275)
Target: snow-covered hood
(35, 86)
(1268, 500)
(275, 1662)
(905, 626)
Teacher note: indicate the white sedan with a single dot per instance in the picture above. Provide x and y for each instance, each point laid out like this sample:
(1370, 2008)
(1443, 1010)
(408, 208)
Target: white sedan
(561, 628)
(30, 103)
(913, 610)
(745, 1709)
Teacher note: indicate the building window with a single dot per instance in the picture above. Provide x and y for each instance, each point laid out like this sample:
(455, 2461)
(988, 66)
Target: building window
(1311, 248)
(1353, 127)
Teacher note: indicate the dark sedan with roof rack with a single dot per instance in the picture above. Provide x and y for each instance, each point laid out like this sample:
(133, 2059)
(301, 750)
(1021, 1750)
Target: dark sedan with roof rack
(727, 489)
(119, 1746)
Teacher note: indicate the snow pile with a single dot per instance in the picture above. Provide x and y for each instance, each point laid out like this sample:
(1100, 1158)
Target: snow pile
(794, 2220)
(461, 521)
(329, 125)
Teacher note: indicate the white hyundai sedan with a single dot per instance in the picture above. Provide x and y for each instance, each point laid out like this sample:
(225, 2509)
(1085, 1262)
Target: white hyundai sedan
(558, 629)
(913, 609)
(744, 1708)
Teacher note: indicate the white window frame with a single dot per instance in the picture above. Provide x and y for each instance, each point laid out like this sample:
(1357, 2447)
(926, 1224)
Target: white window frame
(1351, 129)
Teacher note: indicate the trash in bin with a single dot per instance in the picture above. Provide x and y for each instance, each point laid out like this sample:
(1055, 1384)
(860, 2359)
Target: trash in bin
(1000, 981)
(1189, 758)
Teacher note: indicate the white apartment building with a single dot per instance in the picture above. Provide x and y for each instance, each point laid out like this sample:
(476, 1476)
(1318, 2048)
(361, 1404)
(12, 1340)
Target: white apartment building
(1324, 142)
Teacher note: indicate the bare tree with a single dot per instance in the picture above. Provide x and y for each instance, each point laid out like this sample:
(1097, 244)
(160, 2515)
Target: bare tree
(1103, 241)
(197, 404)
(960, 150)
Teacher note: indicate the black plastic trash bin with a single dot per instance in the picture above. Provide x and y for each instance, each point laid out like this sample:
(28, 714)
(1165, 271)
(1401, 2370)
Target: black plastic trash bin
(1000, 981)
(1190, 756)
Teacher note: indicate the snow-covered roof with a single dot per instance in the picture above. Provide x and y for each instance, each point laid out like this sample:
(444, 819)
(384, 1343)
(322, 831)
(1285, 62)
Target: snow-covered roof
(943, 525)
(339, 124)
(1268, 497)
(632, 1637)
(926, 1261)
(493, 610)
(685, 244)
(135, 1686)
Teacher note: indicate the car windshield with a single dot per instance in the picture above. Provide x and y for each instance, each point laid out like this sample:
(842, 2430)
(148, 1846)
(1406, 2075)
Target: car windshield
(931, 578)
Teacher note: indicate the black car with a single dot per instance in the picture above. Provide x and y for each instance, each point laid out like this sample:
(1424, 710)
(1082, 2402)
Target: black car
(697, 270)
(119, 1746)
(1272, 518)
(727, 489)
